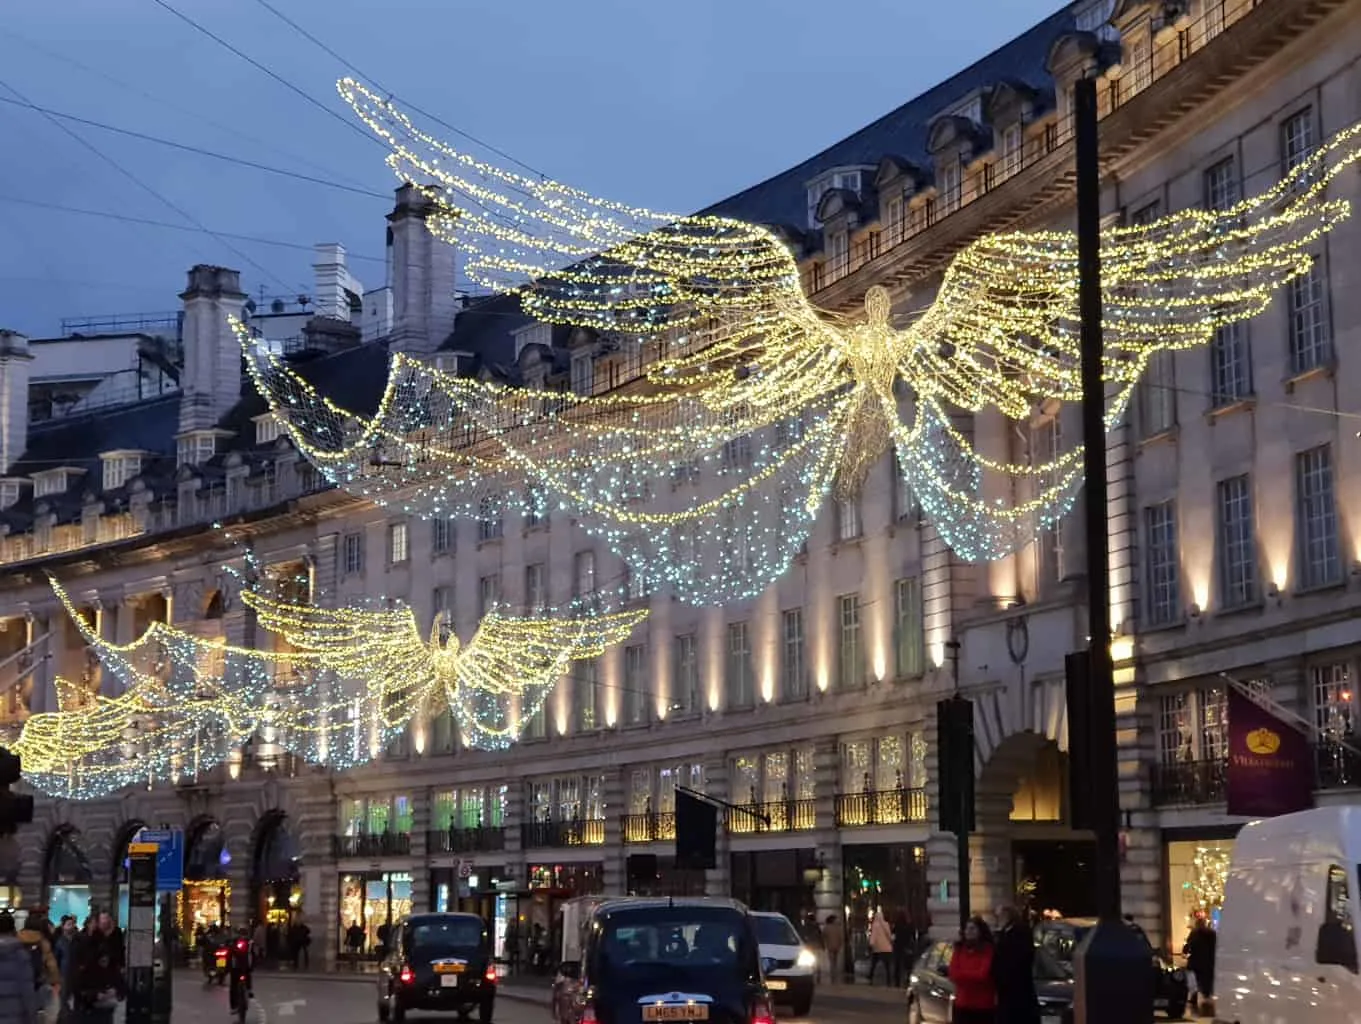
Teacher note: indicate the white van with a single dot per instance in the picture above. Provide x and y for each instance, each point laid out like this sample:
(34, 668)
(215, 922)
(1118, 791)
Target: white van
(1286, 950)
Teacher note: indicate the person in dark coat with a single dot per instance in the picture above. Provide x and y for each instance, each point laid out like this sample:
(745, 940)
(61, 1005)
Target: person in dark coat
(1013, 969)
(97, 985)
(1200, 959)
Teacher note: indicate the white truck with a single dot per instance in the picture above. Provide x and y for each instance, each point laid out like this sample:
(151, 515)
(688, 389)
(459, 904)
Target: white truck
(1287, 944)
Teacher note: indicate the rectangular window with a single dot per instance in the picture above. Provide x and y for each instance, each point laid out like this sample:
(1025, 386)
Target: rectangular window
(1310, 346)
(1230, 366)
(1316, 518)
(585, 694)
(904, 500)
(488, 593)
(741, 688)
(1161, 569)
(1146, 214)
(1176, 738)
(1013, 149)
(443, 810)
(1158, 396)
(1046, 448)
(489, 524)
(838, 251)
(636, 586)
(583, 574)
(583, 374)
(1297, 139)
(536, 588)
(1221, 185)
(948, 185)
(398, 552)
(442, 599)
(536, 725)
(118, 471)
(737, 453)
(793, 671)
(443, 534)
(635, 684)
(847, 520)
(1138, 65)
(353, 553)
(1333, 716)
(1214, 723)
(893, 218)
(266, 430)
(685, 681)
(535, 509)
(1237, 543)
(909, 629)
(850, 644)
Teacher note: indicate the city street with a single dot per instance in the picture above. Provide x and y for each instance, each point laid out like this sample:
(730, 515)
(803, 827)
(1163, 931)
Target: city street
(345, 1000)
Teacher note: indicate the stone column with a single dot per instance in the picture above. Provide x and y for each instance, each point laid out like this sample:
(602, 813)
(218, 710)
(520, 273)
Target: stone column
(829, 893)
(420, 856)
(718, 882)
(612, 853)
(517, 813)
(320, 879)
(991, 428)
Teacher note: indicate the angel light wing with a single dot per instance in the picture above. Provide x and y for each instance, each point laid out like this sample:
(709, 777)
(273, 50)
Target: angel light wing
(504, 676)
(1003, 332)
(1003, 329)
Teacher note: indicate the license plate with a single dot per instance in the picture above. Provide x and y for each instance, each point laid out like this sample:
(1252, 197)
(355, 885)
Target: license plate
(449, 968)
(776, 984)
(221, 962)
(664, 1011)
(449, 981)
(1049, 1020)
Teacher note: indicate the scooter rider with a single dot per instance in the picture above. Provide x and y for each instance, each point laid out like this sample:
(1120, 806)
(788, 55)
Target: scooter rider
(241, 964)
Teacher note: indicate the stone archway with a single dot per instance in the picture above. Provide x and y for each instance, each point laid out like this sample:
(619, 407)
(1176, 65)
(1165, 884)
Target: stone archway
(207, 891)
(119, 869)
(276, 876)
(67, 878)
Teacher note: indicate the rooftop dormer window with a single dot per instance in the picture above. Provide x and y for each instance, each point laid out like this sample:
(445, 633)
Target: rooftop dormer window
(534, 334)
(266, 429)
(1095, 16)
(850, 179)
(119, 468)
(52, 481)
(196, 447)
(10, 490)
(583, 373)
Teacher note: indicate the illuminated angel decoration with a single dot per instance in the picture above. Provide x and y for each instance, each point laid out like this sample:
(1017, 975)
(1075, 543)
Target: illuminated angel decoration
(494, 684)
(747, 405)
(343, 688)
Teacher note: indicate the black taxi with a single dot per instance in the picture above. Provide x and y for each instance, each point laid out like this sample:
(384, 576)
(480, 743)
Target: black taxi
(438, 963)
(647, 961)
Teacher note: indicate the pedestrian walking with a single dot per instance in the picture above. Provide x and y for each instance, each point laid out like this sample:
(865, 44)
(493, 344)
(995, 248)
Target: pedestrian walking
(97, 985)
(1200, 961)
(881, 946)
(18, 993)
(971, 975)
(904, 943)
(833, 941)
(1013, 969)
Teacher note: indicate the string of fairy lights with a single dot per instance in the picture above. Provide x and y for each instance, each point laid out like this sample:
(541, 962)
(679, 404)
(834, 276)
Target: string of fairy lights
(704, 474)
(752, 407)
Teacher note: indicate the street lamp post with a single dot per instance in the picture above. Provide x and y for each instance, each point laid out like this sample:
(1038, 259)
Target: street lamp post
(1114, 968)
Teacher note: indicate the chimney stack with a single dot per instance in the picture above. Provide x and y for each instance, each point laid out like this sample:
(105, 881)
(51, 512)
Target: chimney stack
(14, 370)
(333, 282)
(424, 305)
(212, 355)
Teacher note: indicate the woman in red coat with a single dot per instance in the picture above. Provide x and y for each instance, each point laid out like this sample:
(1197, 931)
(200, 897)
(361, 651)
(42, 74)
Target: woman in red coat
(971, 975)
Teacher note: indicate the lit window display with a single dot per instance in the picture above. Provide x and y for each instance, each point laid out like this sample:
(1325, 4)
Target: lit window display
(369, 901)
(203, 904)
(1196, 870)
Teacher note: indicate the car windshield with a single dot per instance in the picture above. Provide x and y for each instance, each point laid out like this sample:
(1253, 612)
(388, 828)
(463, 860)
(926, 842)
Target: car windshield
(775, 931)
(669, 941)
(452, 935)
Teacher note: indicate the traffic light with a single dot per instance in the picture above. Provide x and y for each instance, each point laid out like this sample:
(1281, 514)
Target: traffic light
(15, 808)
(954, 764)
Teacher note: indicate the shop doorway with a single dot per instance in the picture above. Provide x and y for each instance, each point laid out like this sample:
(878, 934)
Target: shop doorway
(1055, 875)
(205, 900)
(276, 886)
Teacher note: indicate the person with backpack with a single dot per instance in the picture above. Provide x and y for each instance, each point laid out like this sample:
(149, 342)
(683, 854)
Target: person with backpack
(18, 996)
(46, 971)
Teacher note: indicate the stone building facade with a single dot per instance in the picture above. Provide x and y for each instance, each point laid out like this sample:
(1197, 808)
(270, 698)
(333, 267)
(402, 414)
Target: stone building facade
(1234, 551)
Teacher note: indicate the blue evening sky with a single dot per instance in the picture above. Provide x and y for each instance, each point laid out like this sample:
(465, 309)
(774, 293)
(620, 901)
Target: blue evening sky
(661, 103)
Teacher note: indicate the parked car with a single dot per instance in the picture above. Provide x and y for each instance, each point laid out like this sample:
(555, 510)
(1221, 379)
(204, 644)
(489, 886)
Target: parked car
(930, 995)
(1170, 990)
(438, 963)
(788, 965)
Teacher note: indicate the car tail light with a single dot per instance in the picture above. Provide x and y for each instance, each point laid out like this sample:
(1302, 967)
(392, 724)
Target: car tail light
(407, 976)
(490, 975)
(761, 1013)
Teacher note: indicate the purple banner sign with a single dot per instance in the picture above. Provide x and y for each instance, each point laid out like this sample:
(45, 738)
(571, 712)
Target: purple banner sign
(1271, 765)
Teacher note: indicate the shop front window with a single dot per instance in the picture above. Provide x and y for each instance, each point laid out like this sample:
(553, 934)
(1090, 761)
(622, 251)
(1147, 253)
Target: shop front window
(444, 809)
(1196, 872)
(403, 816)
(371, 904)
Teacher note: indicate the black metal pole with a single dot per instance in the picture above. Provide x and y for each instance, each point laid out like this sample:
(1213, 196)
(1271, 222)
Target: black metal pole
(1114, 976)
(965, 809)
(1101, 678)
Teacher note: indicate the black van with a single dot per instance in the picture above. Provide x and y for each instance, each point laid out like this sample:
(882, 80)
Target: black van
(646, 961)
(439, 963)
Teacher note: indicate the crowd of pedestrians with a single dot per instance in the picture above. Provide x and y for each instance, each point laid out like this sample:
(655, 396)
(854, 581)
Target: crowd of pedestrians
(60, 975)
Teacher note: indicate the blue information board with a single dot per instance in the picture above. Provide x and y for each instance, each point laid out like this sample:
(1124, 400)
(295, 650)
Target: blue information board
(169, 856)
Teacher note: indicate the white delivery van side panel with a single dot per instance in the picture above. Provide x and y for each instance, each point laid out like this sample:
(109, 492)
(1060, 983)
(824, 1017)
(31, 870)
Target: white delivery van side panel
(1286, 947)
